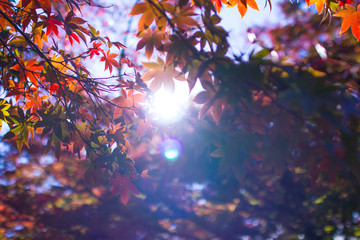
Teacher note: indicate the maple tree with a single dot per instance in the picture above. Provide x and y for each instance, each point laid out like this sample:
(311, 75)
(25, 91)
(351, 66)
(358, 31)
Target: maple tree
(270, 151)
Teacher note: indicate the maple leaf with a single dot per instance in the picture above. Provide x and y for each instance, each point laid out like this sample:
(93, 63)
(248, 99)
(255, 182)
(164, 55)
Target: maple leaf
(95, 50)
(24, 3)
(127, 103)
(162, 75)
(183, 17)
(122, 185)
(75, 37)
(319, 4)
(72, 19)
(109, 60)
(59, 63)
(151, 13)
(203, 97)
(46, 4)
(52, 25)
(39, 37)
(150, 40)
(31, 69)
(242, 5)
(217, 4)
(34, 101)
(343, 2)
(83, 132)
(351, 18)
(177, 51)
(128, 62)
(144, 128)
(119, 45)
(72, 24)
(29, 13)
(17, 90)
(217, 109)
(4, 107)
(129, 99)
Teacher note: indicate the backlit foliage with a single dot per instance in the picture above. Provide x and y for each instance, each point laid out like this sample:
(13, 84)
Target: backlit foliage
(270, 151)
(49, 94)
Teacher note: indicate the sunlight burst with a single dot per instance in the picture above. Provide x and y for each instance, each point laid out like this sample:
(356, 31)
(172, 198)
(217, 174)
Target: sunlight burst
(166, 107)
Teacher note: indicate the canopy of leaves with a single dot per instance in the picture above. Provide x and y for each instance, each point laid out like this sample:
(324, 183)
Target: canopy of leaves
(270, 150)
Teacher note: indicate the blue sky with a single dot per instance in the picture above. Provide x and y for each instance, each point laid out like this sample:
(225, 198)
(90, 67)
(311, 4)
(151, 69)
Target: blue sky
(237, 26)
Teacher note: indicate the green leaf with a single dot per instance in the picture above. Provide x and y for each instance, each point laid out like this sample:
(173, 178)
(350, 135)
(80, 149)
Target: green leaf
(19, 143)
(261, 54)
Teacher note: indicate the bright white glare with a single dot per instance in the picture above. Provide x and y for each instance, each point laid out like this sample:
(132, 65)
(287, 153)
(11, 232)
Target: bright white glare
(339, 237)
(197, 187)
(274, 56)
(251, 37)
(166, 107)
(321, 51)
(22, 160)
(202, 201)
(171, 153)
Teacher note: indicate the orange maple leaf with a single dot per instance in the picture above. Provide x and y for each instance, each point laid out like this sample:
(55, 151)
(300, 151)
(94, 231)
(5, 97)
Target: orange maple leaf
(128, 103)
(182, 16)
(242, 5)
(162, 75)
(45, 4)
(149, 40)
(34, 101)
(31, 70)
(110, 60)
(351, 18)
(129, 99)
(319, 4)
(217, 4)
(150, 13)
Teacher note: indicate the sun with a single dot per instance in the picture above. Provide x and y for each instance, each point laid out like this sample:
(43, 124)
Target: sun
(169, 107)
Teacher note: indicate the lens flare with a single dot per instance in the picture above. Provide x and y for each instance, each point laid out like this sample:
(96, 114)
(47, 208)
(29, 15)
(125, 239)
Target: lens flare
(171, 149)
(171, 154)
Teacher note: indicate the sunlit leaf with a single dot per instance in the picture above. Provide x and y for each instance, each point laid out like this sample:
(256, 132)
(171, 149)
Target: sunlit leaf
(351, 18)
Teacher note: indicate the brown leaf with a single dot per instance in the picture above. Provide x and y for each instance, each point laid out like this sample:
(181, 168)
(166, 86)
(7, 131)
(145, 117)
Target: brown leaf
(202, 97)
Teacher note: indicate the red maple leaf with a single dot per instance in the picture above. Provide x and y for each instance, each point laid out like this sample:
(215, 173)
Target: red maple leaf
(122, 185)
(343, 2)
(95, 50)
(52, 26)
(109, 60)
(73, 36)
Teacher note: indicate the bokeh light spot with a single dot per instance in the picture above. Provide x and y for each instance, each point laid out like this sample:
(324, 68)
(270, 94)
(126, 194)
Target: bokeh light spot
(171, 149)
(171, 154)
